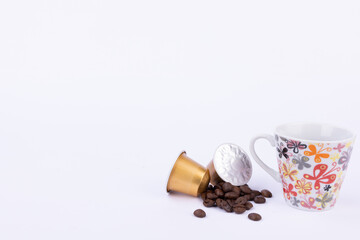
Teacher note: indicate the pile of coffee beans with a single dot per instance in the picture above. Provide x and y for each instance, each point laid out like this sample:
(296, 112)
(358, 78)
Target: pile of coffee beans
(234, 198)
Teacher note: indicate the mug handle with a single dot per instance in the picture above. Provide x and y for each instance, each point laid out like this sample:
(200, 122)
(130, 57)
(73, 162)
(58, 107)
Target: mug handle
(271, 139)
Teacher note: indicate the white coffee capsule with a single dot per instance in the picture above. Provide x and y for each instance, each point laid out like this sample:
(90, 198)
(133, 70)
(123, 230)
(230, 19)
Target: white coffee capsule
(232, 164)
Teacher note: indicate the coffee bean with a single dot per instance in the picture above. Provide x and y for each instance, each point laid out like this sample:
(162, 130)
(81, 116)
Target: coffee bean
(227, 187)
(225, 205)
(245, 189)
(210, 187)
(256, 193)
(247, 197)
(231, 202)
(248, 205)
(259, 199)
(231, 195)
(236, 189)
(211, 195)
(252, 196)
(254, 216)
(227, 208)
(241, 200)
(199, 213)
(208, 203)
(266, 193)
(239, 205)
(209, 191)
(203, 196)
(219, 192)
(239, 210)
(219, 202)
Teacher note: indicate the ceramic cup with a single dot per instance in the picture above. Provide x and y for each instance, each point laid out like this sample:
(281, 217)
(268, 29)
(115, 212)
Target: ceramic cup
(312, 160)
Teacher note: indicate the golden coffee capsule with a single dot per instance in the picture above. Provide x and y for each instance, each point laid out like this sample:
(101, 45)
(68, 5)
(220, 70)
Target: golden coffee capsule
(187, 176)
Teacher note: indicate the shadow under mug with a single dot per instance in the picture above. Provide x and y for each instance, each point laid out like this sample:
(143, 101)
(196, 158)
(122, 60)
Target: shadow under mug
(312, 160)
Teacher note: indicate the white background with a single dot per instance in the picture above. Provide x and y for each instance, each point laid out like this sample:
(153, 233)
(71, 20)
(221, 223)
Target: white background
(98, 98)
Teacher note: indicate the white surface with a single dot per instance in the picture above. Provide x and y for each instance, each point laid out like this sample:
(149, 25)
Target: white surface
(97, 97)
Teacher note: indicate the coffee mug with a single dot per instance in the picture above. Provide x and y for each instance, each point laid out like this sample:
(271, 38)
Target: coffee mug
(312, 160)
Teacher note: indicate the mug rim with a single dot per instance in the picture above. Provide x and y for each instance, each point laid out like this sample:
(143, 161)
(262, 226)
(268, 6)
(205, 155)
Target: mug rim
(352, 138)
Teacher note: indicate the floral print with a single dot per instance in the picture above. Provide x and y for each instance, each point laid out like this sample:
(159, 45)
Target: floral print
(335, 156)
(304, 187)
(337, 187)
(288, 190)
(308, 203)
(282, 151)
(321, 176)
(312, 173)
(295, 145)
(339, 147)
(301, 162)
(344, 159)
(318, 153)
(324, 199)
(287, 172)
(295, 202)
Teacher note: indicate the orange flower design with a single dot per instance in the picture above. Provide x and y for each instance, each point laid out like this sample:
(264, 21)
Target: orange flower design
(318, 153)
(304, 187)
(287, 172)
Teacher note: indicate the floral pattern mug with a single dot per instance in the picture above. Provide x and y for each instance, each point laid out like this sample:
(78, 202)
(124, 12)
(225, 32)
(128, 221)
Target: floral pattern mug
(312, 160)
